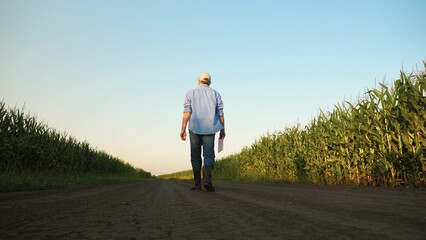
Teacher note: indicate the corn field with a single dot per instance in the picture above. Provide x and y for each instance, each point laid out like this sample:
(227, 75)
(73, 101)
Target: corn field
(30, 146)
(380, 140)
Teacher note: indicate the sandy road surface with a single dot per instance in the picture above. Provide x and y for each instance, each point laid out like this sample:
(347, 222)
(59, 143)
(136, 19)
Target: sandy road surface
(169, 210)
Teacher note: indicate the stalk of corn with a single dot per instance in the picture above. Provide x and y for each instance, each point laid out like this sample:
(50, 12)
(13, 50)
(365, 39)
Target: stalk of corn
(380, 140)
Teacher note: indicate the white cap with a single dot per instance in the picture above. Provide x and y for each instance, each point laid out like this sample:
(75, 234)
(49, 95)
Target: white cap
(205, 78)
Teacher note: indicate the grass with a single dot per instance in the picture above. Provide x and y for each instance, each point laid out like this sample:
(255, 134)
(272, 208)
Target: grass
(184, 175)
(43, 181)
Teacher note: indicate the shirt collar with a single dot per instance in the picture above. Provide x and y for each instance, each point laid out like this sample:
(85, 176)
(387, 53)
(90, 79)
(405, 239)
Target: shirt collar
(203, 85)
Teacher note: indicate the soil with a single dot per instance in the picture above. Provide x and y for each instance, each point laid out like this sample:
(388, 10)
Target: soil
(168, 209)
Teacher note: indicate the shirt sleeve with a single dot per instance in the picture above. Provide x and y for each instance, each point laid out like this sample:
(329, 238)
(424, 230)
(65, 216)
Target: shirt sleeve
(219, 104)
(187, 104)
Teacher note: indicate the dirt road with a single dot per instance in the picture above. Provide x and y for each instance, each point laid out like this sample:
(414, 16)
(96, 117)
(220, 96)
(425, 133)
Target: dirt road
(163, 209)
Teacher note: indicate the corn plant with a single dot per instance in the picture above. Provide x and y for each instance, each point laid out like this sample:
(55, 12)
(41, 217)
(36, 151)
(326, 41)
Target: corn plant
(27, 145)
(379, 140)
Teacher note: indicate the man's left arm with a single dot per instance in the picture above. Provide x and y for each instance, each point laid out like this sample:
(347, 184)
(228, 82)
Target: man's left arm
(222, 132)
(221, 115)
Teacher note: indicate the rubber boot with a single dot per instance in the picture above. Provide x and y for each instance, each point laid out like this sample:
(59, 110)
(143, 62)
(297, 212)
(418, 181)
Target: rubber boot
(207, 173)
(197, 180)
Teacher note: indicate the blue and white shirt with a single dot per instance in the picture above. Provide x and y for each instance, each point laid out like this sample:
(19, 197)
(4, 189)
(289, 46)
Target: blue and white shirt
(205, 105)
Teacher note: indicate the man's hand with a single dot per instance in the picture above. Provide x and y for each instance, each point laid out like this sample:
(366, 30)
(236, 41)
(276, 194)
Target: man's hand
(222, 134)
(185, 119)
(183, 135)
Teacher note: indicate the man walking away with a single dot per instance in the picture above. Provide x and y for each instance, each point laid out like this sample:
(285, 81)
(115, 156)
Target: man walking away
(203, 109)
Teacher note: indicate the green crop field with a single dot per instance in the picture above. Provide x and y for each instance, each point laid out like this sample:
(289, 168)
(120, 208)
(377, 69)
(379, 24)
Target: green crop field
(379, 140)
(35, 156)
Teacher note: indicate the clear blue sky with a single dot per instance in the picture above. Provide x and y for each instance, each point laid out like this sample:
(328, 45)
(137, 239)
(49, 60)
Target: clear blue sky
(114, 73)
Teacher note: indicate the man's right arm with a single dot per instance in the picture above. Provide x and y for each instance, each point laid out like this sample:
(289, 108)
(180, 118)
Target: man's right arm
(185, 119)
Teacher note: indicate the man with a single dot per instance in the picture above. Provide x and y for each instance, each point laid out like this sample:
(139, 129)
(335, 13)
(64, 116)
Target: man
(203, 109)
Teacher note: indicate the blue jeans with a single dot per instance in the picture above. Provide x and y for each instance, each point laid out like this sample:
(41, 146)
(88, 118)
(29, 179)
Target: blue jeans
(207, 143)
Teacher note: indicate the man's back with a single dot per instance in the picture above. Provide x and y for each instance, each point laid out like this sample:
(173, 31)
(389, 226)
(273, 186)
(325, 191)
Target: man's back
(205, 105)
